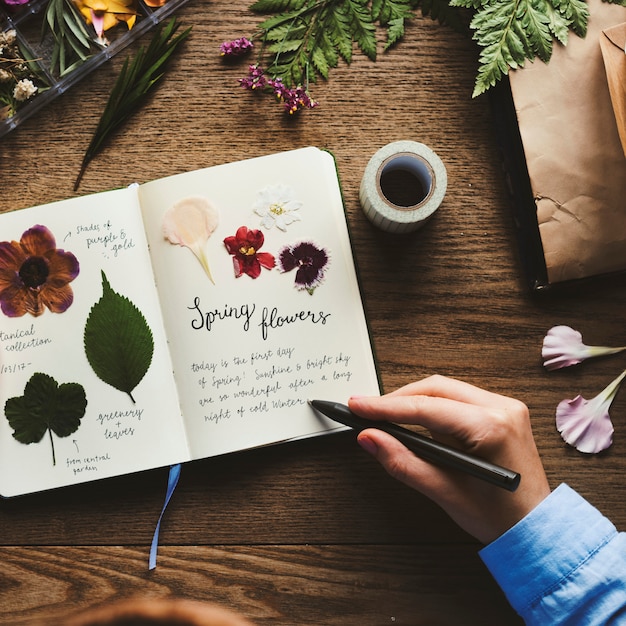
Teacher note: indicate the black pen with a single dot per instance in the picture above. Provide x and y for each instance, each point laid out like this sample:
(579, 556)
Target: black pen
(424, 447)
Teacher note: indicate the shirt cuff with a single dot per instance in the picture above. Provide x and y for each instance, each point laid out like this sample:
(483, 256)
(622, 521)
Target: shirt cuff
(544, 548)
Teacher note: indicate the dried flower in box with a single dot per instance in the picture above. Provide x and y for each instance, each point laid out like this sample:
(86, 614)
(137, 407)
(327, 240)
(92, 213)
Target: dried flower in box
(19, 81)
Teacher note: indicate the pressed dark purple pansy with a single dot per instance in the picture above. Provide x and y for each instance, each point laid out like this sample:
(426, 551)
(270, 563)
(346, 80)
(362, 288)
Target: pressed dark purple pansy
(310, 260)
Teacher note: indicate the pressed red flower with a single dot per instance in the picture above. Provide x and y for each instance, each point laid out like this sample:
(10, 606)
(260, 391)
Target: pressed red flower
(244, 246)
(310, 260)
(35, 274)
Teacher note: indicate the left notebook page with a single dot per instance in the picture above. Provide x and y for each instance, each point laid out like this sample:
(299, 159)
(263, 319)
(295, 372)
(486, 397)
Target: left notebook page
(86, 384)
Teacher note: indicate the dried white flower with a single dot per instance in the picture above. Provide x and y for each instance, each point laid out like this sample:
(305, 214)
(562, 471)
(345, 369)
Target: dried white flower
(24, 90)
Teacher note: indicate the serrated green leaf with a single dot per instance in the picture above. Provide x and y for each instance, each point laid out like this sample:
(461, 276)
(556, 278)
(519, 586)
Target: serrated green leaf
(318, 58)
(395, 32)
(576, 12)
(285, 46)
(559, 26)
(118, 341)
(48, 407)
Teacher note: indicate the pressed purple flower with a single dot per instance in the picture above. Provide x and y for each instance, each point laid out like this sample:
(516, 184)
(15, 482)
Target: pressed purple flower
(236, 48)
(255, 78)
(311, 263)
(586, 424)
(563, 346)
(35, 274)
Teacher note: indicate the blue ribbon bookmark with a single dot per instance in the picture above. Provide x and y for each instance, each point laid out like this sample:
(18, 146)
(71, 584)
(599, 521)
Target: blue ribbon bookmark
(172, 481)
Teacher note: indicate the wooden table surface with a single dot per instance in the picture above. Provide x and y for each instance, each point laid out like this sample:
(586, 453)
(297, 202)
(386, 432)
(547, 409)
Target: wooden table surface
(314, 532)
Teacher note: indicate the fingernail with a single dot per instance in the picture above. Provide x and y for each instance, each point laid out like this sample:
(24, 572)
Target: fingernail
(368, 445)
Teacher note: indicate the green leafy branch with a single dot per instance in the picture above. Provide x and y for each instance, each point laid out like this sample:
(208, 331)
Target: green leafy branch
(510, 32)
(135, 81)
(308, 37)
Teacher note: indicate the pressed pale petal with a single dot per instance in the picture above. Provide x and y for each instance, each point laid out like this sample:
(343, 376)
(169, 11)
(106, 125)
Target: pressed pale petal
(584, 425)
(563, 347)
(190, 222)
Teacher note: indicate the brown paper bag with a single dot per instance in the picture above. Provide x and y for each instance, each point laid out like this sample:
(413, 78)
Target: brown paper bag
(613, 46)
(574, 155)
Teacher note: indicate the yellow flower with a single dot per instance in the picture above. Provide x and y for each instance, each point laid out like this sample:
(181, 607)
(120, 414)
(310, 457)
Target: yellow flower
(105, 14)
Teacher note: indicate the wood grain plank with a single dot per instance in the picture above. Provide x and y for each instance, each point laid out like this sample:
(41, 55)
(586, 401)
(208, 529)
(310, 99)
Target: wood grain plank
(274, 585)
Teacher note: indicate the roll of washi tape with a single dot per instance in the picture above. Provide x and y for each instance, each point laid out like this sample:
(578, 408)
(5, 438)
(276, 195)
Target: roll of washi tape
(402, 186)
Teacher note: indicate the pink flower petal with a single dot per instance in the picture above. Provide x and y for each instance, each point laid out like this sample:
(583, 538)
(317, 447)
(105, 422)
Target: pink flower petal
(586, 424)
(582, 426)
(563, 347)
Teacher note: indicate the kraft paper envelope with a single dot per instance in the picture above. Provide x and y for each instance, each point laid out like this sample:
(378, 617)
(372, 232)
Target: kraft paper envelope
(575, 160)
(613, 46)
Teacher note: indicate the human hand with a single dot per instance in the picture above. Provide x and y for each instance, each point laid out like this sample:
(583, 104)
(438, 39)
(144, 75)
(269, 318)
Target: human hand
(488, 425)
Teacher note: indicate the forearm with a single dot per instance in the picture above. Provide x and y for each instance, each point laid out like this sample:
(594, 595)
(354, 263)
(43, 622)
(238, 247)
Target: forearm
(564, 563)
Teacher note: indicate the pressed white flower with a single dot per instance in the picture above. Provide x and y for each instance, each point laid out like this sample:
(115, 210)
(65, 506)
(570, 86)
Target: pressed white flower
(190, 223)
(5, 76)
(24, 89)
(563, 346)
(586, 424)
(277, 206)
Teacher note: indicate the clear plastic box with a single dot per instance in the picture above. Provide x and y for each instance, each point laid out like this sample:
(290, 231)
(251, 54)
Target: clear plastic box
(22, 26)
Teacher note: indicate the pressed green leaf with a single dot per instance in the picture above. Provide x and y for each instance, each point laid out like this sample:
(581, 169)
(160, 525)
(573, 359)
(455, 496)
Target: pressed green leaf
(46, 406)
(118, 341)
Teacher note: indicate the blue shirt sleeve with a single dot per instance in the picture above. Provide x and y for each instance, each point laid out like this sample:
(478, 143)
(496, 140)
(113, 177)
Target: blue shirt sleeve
(564, 563)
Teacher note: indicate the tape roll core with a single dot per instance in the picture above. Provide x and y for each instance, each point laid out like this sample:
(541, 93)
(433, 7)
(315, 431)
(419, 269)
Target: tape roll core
(420, 174)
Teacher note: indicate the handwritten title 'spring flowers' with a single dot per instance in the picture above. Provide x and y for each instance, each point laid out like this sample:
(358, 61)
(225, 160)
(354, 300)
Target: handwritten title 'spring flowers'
(310, 260)
(189, 223)
(563, 346)
(276, 205)
(586, 424)
(244, 246)
(35, 274)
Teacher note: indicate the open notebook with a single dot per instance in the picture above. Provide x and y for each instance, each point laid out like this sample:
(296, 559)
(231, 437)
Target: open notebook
(184, 318)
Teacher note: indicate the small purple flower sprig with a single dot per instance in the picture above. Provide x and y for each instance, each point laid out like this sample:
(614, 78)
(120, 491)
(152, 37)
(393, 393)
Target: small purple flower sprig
(236, 47)
(293, 99)
(583, 424)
